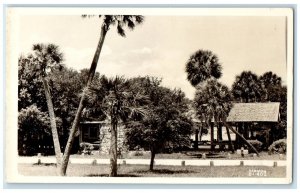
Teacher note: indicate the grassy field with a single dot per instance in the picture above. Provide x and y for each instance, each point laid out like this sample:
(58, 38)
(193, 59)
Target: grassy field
(160, 171)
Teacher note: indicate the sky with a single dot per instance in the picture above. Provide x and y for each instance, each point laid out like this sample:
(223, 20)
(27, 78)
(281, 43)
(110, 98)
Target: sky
(162, 45)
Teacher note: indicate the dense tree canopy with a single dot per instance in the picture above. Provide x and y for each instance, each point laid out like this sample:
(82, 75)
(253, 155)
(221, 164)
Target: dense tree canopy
(65, 86)
(167, 125)
(268, 87)
(247, 88)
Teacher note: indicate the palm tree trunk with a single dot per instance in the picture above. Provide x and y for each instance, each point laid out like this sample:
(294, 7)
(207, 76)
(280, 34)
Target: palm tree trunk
(73, 130)
(113, 149)
(212, 146)
(55, 136)
(152, 159)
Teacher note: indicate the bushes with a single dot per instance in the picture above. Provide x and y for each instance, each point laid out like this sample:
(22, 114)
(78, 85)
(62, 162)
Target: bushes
(34, 131)
(257, 144)
(278, 146)
(87, 148)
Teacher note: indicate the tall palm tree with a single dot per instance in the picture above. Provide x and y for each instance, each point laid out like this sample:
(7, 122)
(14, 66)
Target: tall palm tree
(115, 99)
(202, 65)
(46, 57)
(213, 101)
(121, 21)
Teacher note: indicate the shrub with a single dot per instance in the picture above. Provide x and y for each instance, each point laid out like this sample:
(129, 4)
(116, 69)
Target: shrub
(278, 146)
(138, 151)
(257, 144)
(33, 130)
(86, 148)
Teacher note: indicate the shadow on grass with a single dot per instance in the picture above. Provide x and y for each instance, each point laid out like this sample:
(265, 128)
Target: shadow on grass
(208, 155)
(165, 171)
(44, 164)
(106, 175)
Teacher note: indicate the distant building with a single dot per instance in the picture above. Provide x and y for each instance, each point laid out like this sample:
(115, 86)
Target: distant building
(98, 133)
(253, 118)
(249, 119)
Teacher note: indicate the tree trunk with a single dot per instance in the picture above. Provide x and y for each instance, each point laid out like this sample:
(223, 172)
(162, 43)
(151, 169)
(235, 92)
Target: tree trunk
(55, 136)
(152, 160)
(74, 127)
(196, 139)
(241, 136)
(113, 149)
(200, 133)
(212, 146)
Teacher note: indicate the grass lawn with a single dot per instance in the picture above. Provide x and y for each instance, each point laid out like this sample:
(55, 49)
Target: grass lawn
(189, 155)
(160, 171)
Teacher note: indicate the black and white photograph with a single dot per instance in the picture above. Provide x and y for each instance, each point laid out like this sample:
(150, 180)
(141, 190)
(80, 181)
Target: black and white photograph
(149, 95)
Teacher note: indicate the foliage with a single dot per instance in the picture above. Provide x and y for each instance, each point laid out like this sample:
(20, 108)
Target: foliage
(87, 148)
(202, 65)
(276, 92)
(34, 130)
(268, 87)
(30, 86)
(278, 146)
(247, 88)
(66, 85)
(112, 98)
(129, 21)
(257, 144)
(166, 125)
(212, 100)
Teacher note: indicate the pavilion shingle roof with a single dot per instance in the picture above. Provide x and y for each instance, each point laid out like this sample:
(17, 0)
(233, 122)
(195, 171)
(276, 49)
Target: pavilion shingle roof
(254, 112)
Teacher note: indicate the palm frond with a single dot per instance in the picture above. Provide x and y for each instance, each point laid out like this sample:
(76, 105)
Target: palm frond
(120, 29)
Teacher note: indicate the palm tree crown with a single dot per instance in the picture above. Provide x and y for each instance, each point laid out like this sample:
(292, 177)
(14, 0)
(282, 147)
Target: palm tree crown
(202, 65)
(48, 57)
(212, 100)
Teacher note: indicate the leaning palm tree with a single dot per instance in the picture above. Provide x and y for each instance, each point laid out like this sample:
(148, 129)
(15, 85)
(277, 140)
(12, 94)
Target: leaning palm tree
(115, 99)
(121, 21)
(46, 57)
(202, 65)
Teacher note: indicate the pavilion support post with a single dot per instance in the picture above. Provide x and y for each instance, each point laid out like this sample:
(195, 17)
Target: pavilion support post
(241, 136)
(238, 139)
(246, 130)
(219, 132)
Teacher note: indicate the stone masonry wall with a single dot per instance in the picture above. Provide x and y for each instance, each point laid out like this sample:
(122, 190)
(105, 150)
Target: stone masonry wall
(105, 139)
